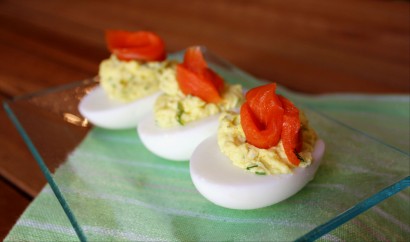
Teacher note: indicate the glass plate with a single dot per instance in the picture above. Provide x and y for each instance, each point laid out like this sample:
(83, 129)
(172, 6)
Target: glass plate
(107, 178)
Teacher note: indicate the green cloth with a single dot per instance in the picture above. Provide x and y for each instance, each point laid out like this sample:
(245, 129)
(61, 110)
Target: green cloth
(118, 190)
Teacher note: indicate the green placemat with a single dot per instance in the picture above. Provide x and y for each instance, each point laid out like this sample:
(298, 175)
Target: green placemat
(120, 191)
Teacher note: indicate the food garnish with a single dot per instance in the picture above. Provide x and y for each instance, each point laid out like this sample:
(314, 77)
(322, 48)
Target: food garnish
(267, 118)
(139, 45)
(195, 78)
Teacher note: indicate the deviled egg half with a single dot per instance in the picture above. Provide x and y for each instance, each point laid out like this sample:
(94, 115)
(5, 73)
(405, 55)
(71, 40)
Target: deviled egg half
(188, 110)
(260, 156)
(129, 80)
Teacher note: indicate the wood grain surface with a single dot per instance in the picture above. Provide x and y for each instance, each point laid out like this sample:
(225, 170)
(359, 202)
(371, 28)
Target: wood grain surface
(311, 46)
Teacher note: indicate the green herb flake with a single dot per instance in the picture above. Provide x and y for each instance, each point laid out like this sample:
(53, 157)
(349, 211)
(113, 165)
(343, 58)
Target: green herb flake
(260, 173)
(180, 111)
(250, 167)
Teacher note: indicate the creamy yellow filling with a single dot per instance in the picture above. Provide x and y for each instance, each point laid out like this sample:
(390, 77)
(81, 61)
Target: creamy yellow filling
(129, 80)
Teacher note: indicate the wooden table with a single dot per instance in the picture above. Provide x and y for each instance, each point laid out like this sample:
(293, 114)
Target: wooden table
(309, 46)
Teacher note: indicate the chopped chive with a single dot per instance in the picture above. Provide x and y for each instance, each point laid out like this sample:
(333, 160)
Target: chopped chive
(250, 167)
(179, 114)
(260, 173)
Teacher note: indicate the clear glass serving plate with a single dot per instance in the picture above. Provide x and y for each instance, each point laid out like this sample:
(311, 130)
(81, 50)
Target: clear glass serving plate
(106, 178)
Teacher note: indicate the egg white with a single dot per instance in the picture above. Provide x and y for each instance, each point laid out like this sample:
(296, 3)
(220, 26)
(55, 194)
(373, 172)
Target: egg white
(227, 185)
(104, 112)
(176, 143)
